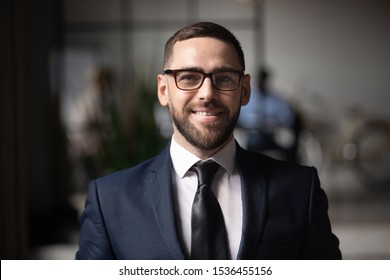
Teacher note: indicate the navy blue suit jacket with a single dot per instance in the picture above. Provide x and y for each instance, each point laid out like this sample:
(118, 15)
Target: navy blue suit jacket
(130, 214)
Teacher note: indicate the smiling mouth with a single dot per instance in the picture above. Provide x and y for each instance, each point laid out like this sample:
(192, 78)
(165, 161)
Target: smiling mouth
(206, 114)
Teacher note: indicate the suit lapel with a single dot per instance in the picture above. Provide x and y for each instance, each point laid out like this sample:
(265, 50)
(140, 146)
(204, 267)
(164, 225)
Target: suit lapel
(159, 184)
(254, 199)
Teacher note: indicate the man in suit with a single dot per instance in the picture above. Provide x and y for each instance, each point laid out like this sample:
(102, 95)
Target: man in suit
(267, 209)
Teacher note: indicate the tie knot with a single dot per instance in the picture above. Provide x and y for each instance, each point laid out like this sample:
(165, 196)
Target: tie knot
(206, 171)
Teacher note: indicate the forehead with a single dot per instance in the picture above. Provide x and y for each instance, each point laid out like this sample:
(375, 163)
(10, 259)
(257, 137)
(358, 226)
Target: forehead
(204, 53)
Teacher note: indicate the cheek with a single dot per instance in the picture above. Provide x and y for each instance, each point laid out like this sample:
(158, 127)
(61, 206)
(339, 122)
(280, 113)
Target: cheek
(235, 103)
(178, 102)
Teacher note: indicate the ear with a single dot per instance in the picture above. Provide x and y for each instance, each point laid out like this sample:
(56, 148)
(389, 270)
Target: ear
(246, 89)
(162, 90)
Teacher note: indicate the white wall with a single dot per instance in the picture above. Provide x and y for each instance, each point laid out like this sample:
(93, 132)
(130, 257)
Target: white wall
(338, 50)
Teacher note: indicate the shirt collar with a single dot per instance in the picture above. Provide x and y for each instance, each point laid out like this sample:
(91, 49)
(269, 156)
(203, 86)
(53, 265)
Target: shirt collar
(183, 160)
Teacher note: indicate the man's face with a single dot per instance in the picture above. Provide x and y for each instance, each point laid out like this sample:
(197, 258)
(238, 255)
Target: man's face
(203, 119)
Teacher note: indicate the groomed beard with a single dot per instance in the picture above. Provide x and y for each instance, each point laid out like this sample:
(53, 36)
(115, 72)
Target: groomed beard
(214, 135)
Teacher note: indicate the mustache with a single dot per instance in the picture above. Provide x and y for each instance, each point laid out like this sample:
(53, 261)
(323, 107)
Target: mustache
(207, 104)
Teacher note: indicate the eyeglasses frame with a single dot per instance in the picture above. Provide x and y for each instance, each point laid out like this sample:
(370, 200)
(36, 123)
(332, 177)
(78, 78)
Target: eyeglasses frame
(174, 72)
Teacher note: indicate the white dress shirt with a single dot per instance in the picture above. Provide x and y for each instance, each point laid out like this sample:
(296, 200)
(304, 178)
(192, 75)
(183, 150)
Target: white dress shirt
(226, 186)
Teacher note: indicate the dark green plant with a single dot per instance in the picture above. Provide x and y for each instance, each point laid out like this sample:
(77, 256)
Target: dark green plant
(148, 140)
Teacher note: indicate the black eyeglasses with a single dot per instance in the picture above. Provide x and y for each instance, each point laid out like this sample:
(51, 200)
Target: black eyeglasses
(193, 79)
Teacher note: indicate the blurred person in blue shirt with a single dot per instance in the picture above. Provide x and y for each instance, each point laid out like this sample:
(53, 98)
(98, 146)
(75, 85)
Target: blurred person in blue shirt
(271, 124)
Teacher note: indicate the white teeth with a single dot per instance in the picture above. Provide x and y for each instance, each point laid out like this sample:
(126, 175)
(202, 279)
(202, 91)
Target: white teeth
(205, 113)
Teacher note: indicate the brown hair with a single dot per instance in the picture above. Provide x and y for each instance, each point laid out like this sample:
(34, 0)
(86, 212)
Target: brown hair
(203, 29)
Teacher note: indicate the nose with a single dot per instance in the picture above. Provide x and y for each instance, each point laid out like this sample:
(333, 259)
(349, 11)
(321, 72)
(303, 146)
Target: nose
(207, 91)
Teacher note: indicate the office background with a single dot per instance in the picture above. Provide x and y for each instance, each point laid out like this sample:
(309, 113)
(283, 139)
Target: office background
(329, 59)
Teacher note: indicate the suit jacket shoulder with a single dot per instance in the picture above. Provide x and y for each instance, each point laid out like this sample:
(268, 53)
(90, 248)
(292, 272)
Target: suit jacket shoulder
(294, 218)
(130, 214)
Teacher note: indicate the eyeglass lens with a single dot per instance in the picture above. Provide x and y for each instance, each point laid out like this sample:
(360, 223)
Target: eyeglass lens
(188, 80)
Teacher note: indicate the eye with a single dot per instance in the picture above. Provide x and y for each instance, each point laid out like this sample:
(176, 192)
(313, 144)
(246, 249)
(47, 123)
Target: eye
(225, 78)
(188, 77)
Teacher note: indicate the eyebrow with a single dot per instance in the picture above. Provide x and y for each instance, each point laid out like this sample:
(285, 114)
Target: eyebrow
(215, 70)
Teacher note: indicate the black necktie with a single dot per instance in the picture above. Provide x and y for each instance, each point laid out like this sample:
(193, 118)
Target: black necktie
(208, 239)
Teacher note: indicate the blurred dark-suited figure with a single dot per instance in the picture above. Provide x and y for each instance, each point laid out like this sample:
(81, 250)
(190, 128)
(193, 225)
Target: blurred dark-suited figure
(272, 125)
